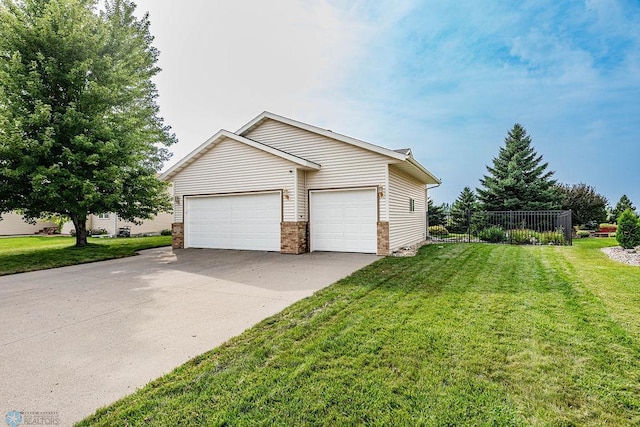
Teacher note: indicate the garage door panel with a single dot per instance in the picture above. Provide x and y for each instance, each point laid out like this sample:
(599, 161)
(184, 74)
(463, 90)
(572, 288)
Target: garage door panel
(344, 221)
(234, 222)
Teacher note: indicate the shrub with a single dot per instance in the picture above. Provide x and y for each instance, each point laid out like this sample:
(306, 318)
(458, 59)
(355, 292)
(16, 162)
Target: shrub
(628, 234)
(583, 234)
(607, 228)
(493, 234)
(96, 231)
(554, 237)
(438, 231)
(165, 232)
(524, 236)
(590, 225)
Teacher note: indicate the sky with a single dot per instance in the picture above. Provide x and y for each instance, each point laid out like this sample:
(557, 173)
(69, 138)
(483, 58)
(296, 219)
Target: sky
(447, 79)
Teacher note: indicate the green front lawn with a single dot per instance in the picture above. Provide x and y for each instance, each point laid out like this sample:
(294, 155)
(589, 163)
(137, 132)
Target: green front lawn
(20, 254)
(462, 334)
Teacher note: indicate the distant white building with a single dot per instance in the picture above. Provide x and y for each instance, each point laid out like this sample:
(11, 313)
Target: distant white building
(13, 224)
(111, 224)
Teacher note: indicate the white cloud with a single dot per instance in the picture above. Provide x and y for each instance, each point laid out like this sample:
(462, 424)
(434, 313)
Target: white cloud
(225, 62)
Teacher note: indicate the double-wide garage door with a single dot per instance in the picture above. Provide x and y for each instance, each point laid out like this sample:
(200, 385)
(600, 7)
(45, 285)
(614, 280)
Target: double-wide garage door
(343, 220)
(250, 221)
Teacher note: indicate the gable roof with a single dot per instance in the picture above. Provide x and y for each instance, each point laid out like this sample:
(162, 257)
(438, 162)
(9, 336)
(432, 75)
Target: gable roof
(403, 155)
(325, 132)
(221, 135)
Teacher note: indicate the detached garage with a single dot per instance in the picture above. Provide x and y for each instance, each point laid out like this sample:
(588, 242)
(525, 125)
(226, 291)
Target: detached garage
(281, 185)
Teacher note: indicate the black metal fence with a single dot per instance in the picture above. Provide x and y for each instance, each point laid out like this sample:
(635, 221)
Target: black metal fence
(508, 227)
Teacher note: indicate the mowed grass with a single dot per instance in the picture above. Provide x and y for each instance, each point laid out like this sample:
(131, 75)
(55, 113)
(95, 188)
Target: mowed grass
(20, 254)
(462, 334)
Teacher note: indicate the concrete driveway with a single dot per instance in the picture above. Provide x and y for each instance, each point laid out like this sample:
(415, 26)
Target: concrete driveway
(76, 338)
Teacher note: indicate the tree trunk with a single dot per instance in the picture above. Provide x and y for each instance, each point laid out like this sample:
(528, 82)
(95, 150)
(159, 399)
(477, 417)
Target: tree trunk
(80, 224)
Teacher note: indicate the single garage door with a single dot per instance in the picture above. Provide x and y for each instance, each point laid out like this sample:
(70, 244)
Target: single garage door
(249, 222)
(343, 221)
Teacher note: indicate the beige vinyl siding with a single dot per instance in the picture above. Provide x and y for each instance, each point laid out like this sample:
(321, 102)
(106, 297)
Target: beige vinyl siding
(301, 192)
(108, 223)
(405, 227)
(233, 167)
(342, 165)
(13, 224)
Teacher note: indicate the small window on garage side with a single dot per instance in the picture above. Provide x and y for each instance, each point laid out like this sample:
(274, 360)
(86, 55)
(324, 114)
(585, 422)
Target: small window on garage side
(103, 216)
(412, 205)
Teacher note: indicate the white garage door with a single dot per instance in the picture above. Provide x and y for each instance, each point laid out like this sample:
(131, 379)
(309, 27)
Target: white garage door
(343, 221)
(233, 222)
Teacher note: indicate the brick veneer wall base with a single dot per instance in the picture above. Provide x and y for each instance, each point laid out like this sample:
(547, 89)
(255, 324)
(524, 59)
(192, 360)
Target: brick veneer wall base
(293, 237)
(383, 238)
(177, 235)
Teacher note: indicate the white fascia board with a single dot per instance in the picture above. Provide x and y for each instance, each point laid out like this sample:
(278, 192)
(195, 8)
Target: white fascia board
(209, 143)
(323, 132)
(252, 123)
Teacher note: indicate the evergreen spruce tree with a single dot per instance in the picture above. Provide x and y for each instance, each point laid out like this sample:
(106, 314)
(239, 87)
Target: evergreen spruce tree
(628, 233)
(518, 179)
(623, 204)
(461, 210)
(437, 214)
(79, 125)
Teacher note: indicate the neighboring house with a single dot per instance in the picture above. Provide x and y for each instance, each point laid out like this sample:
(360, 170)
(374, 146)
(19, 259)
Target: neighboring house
(111, 224)
(12, 224)
(281, 185)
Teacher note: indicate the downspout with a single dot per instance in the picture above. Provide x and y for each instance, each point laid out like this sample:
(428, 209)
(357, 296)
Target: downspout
(426, 214)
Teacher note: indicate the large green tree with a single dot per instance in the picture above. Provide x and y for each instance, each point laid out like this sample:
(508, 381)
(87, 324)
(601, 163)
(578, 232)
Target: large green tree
(518, 179)
(80, 131)
(623, 204)
(585, 203)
